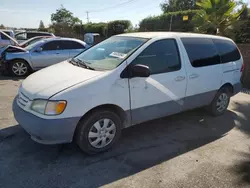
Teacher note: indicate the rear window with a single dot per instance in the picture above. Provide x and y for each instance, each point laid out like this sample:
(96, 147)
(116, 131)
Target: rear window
(36, 34)
(201, 51)
(227, 50)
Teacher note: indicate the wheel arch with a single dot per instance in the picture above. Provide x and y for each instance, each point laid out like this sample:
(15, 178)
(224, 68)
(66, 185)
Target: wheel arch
(20, 59)
(229, 86)
(112, 107)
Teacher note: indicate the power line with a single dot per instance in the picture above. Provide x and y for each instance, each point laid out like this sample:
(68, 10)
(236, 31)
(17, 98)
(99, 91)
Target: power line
(114, 6)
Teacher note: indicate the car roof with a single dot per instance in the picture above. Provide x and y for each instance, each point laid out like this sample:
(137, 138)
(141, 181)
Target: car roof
(150, 35)
(63, 38)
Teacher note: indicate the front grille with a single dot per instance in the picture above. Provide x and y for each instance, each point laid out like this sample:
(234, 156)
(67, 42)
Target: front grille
(22, 99)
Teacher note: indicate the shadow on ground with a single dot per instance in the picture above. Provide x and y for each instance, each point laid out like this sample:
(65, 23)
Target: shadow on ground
(25, 163)
(243, 168)
(2, 77)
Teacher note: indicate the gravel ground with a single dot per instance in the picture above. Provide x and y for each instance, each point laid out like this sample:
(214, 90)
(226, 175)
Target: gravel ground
(191, 150)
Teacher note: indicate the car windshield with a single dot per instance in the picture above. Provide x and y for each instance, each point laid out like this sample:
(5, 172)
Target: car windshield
(110, 53)
(31, 46)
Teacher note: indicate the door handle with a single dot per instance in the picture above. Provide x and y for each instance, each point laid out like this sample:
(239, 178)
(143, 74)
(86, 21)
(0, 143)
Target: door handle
(193, 76)
(57, 53)
(179, 78)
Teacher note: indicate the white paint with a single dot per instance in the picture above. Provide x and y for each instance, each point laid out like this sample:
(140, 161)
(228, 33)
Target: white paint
(85, 89)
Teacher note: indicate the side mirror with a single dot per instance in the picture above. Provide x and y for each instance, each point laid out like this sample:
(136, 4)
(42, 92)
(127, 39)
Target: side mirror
(39, 49)
(140, 71)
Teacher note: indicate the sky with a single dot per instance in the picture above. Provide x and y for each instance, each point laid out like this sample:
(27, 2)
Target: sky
(28, 13)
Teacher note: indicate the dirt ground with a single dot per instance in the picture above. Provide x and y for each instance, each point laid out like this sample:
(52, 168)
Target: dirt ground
(191, 150)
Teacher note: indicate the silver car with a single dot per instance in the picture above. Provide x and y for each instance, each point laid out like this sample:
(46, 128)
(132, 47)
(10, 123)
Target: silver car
(46, 52)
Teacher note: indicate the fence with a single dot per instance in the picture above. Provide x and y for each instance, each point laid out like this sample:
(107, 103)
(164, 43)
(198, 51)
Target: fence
(245, 50)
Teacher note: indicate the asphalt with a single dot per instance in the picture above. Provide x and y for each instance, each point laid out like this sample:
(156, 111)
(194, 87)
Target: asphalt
(191, 149)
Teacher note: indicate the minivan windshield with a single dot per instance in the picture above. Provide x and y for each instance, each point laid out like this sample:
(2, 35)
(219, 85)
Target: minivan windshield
(110, 53)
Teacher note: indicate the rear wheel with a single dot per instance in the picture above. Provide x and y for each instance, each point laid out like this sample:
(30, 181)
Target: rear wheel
(19, 68)
(98, 132)
(220, 103)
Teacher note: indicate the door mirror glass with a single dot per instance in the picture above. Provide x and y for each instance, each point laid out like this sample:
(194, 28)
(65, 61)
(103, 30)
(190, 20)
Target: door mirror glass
(140, 71)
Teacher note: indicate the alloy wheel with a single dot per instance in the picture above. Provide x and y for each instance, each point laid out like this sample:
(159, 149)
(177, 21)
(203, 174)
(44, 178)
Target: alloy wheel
(222, 102)
(19, 68)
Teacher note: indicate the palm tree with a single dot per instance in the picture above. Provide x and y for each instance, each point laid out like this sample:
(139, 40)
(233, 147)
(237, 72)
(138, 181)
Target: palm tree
(217, 16)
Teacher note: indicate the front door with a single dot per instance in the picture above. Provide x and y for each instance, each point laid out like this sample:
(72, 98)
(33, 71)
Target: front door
(51, 54)
(163, 92)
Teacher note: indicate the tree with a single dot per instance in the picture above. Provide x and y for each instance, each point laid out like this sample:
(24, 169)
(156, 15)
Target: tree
(177, 5)
(63, 22)
(217, 16)
(2, 26)
(64, 16)
(41, 25)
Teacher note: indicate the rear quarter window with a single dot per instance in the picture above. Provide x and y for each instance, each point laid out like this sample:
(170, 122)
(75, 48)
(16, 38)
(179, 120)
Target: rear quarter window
(228, 51)
(201, 51)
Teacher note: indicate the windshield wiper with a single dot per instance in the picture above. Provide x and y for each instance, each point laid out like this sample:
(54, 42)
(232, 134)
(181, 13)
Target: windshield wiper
(80, 63)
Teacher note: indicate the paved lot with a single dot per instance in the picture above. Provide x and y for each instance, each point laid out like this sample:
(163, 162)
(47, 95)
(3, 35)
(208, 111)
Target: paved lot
(190, 149)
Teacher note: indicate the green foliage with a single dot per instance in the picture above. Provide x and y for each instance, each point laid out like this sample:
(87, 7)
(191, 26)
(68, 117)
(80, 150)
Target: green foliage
(118, 27)
(63, 23)
(177, 5)
(65, 17)
(242, 32)
(217, 16)
(162, 22)
(100, 28)
(42, 27)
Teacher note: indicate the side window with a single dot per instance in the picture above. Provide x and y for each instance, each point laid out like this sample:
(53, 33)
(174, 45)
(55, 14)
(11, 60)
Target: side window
(70, 45)
(161, 56)
(201, 52)
(53, 45)
(227, 50)
(31, 35)
(21, 36)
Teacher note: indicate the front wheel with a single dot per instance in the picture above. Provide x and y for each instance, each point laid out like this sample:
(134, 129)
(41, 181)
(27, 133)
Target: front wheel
(220, 103)
(98, 132)
(19, 68)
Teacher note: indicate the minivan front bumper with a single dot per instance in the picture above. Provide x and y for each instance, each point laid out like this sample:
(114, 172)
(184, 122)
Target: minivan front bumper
(45, 131)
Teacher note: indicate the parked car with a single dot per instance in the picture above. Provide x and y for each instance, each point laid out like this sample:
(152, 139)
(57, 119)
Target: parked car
(126, 80)
(32, 40)
(4, 39)
(21, 61)
(26, 35)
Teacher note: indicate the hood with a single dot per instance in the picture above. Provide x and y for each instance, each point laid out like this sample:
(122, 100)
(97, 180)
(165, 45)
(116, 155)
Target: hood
(52, 80)
(10, 38)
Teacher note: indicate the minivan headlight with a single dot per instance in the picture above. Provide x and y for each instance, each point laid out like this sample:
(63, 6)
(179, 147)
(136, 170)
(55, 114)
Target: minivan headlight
(48, 107)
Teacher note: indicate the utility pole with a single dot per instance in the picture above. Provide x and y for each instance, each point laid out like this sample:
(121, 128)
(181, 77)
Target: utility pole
(171, 21)
(87, 16)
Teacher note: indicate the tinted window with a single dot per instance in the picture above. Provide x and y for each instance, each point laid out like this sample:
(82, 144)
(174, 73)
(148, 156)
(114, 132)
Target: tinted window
(71, 45)
(201, 52)
(36, 34)
(4, 37)
(21, 36)
(227, 50)
(161, 56)
(53, 45)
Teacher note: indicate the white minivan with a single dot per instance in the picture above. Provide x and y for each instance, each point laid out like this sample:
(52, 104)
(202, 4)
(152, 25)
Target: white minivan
(125, 80)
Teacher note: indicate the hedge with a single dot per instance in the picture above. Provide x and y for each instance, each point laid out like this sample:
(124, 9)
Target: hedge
(118, 27)
(162, 22)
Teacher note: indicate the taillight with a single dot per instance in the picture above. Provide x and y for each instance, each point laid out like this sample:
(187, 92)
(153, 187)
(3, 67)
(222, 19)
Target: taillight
(242, 68)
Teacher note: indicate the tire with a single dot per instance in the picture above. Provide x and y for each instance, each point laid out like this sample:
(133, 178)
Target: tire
(19, 68)
(217, 107)
(87, 134)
